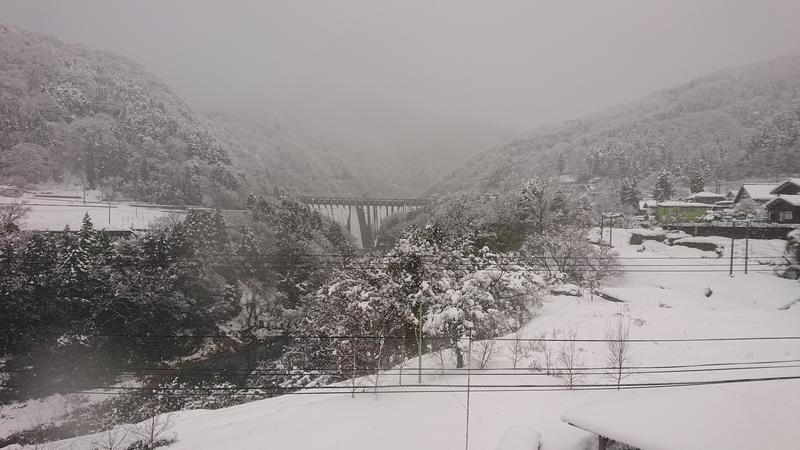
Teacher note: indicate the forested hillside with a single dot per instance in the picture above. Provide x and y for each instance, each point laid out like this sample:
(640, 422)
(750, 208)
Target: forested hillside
(68, 111)
(733, 124)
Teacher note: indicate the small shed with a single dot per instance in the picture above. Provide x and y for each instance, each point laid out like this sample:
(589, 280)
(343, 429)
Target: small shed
(708, 198)
(784, 209)
(682, 211)
(759, 192)
(647, 206)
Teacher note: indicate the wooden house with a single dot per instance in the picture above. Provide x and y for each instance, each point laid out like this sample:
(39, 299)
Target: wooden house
(784, 209)
(789, 187)
(759, 192)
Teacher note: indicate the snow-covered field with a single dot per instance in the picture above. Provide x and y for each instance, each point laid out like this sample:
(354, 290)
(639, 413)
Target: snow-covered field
(665, 292)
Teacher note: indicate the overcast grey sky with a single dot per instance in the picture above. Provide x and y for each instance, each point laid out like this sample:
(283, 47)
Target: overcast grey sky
(516, 63)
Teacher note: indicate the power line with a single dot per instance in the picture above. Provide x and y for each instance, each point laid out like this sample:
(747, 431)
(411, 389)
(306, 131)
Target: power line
(403, 389)
(520, 372)
(429, 339)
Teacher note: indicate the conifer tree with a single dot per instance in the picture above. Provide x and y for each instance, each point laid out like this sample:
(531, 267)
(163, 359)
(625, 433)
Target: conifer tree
(663, 189)
(696, 179)
(629, 193)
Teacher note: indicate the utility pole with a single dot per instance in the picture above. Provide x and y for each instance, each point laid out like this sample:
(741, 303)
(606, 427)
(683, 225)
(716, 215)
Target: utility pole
(419, 346)
(746, 247)
(108, 198)
(611, 231)
(353, 346)
(731, 271)
(602, 220)
(469, 373)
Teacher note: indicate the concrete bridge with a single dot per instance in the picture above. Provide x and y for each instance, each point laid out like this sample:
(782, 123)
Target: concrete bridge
(362, 216)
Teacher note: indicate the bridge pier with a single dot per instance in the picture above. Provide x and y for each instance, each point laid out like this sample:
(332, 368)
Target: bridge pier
(370, 213)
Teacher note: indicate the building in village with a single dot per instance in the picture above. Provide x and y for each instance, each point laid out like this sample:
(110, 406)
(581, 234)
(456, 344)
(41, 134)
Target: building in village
(758, 192)
(784, 209)
(705, 197)
(677, 211)
(781, 201)
(789, 187)
(648, 206)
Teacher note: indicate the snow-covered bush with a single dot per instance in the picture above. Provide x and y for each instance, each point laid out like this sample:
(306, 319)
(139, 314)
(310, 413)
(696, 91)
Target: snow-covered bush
(489, 300)
(429, 290)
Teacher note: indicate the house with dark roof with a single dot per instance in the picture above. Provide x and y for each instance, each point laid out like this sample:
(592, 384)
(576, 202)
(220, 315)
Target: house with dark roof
(789, 187)
(784, 209)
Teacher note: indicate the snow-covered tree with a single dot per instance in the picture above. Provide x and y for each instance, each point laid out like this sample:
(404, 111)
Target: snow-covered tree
(663, 189)
(697, 177)
(629, 193)
(488, 300)
(542, 205)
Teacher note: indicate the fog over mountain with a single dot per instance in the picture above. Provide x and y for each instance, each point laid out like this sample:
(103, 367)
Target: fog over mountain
(729, 125)
(420, 84)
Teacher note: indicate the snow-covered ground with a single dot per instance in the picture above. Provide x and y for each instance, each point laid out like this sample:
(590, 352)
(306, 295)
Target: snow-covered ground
(662, 305)
(53, 214)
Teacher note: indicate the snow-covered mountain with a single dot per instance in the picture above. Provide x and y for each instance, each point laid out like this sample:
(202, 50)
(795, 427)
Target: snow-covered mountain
(736, 123)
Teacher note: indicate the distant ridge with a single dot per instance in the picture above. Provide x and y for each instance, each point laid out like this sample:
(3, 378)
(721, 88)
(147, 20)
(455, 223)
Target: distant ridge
(735, 123)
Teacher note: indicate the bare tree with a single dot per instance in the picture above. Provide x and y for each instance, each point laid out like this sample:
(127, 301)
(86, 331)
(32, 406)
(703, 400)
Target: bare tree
(518, 348)
(549, 359)
(113, 439)
(570, 364)
(487, 351)
(618, 343)
(11, 214)
(600, 263)
(155, 431)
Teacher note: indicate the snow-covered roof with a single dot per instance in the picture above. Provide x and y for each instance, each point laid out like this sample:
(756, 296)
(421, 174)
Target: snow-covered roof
(705, 194)
(758, 191)
(794, 181)
(793, 200)
(646, 203)
(734, 417)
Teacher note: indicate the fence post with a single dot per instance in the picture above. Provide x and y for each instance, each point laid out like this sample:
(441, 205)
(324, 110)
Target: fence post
(602, 220)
